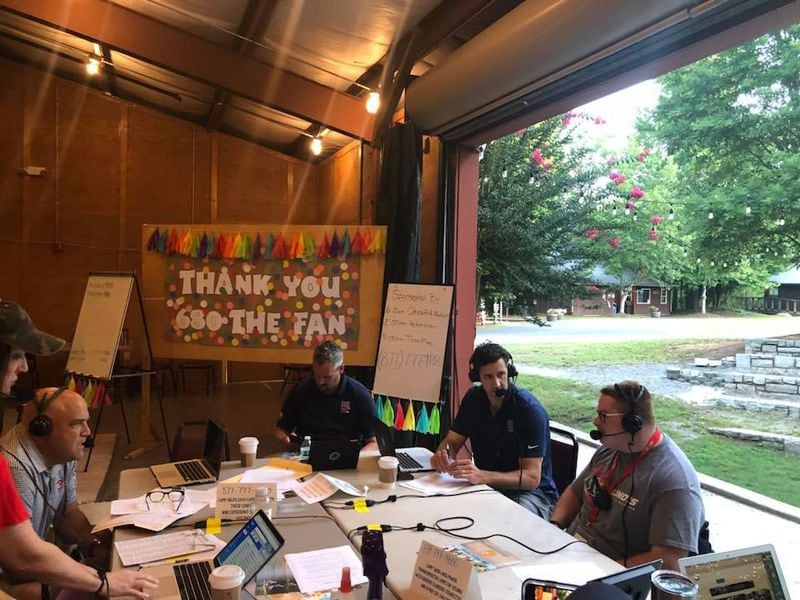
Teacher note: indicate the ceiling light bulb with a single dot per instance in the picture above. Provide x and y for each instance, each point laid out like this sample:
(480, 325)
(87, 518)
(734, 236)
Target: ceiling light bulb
(93, 64)
(316, 146)
(373, 102)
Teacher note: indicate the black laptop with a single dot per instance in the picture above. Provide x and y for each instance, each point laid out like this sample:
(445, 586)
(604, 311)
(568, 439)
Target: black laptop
(411, 460)
(327, 455)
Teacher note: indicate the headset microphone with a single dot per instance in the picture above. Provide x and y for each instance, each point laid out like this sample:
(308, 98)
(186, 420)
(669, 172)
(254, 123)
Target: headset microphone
(500, 392)
(596, 435)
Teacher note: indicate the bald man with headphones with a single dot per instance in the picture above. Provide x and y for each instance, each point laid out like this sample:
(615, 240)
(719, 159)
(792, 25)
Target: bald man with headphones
(639, 497)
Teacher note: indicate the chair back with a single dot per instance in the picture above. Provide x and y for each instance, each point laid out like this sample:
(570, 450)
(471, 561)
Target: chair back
(564, 456)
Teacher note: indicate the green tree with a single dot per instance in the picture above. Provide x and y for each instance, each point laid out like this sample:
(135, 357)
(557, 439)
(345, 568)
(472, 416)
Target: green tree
(536, 186)
(731, 122)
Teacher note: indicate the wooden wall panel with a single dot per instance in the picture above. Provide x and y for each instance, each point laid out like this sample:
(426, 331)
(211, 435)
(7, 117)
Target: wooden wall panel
(303, 192)
(89, 131)
(39, 195)
(342, 203)
(12, 119)
(252, 184)
(160, 172)
(370, 180)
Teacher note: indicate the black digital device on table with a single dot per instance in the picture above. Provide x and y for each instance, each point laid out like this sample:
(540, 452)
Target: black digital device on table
(634, 581)
(541, 589)
(327, 455)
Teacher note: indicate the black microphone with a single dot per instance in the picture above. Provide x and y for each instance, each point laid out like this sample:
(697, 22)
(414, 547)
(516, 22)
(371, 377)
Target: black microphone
(88, 442)
(500, 392)
(596, 435)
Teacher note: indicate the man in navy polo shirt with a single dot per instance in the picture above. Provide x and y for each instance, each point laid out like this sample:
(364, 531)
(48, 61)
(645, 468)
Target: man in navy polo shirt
(330, 406)
(509, 431)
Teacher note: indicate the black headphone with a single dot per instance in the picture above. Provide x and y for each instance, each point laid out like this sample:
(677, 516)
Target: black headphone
(631, 421)
(42, 425)
(482, 355)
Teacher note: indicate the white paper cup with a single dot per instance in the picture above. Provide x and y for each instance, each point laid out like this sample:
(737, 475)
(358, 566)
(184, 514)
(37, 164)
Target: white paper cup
(248, 447)
(387, 471)
(226, 582)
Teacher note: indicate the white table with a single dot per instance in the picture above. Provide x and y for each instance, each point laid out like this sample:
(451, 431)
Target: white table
(492, 512)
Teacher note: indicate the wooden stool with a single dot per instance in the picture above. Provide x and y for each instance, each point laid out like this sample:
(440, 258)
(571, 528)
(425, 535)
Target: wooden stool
(208, 367)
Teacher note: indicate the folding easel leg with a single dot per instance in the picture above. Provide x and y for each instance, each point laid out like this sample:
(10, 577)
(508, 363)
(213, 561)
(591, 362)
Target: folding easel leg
(164, 420)
(95, 429)
(118, 390)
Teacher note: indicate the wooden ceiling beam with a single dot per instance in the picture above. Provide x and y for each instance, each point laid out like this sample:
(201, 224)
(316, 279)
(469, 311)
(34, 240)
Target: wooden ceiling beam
(255, 22)
(176, 50)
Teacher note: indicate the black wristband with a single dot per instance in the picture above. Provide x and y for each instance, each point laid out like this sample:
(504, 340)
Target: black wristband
(103, 582)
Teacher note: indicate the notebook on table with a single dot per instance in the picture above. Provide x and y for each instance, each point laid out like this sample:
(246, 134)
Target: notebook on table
(411, 460)
(745, 574)
(251, 548)
(327, 455)
(199, 470)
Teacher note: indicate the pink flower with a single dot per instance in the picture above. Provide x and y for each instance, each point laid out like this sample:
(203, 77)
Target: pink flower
(630, 205)
(616, 177)
(521, 133)
(599, 120)
(536, 156)
(592, 233)
(656, 219)
(611, 160)
(566, 120)
(640, 157)
(614, 242)
(647, 151)
(653, 234)
(636, 192)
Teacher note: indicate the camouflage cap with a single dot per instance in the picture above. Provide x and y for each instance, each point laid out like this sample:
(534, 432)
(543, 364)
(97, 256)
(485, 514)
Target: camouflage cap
(17, 329)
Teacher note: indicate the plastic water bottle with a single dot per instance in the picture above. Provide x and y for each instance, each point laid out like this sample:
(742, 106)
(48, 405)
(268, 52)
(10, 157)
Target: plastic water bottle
(261, 502)
(305, 448)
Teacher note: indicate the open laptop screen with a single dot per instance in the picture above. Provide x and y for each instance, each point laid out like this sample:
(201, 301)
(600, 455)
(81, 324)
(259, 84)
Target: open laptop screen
(255, 544)
(752, 573)
(214, 446)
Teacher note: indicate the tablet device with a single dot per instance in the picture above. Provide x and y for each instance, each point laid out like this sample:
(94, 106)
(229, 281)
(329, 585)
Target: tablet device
(540, 589)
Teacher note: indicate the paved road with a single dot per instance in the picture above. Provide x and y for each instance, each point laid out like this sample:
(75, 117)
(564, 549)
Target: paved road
(639, 328)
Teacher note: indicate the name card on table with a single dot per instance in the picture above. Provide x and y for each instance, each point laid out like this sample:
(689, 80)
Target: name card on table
(442, 575)
(235, 500)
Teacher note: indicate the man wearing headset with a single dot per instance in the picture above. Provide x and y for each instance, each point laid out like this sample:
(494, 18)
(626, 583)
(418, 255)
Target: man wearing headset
(639, 497)
(21, 550)
(509, 432)
(42, 452)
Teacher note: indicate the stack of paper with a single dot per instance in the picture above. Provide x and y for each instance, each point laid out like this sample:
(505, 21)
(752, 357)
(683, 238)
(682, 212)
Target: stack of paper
(320, 570)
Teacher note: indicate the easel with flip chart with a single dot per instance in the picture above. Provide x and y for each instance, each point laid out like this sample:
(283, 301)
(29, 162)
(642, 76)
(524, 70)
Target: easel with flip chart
(94, 347)
(411, 351)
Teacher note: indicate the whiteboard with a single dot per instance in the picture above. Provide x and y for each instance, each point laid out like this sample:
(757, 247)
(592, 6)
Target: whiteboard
(413, 339)
(94, 346)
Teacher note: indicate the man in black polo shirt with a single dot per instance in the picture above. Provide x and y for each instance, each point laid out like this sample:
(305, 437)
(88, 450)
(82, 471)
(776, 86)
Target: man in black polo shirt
(330, 406)
(509, 432)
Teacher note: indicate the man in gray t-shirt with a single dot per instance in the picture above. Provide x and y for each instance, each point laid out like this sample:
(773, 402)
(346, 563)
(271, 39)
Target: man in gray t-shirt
(639, 497)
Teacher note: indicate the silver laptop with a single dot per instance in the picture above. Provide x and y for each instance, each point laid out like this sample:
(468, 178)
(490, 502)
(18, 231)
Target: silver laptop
(749, 573)
(198, 470)
(251, 548)
(411, 460)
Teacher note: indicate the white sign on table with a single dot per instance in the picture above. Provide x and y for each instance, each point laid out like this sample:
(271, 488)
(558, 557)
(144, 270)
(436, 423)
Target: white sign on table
(442, 575)
(235, 500)
(413, 341)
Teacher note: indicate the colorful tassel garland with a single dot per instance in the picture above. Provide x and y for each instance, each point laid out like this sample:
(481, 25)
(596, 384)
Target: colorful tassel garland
(422, 419)
(388, 413)
(433, 423)
(410, 423)
(399, 418)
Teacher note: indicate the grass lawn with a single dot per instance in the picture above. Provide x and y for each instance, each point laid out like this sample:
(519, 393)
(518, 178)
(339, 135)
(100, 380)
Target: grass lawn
(560, 354)
(769, 472)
